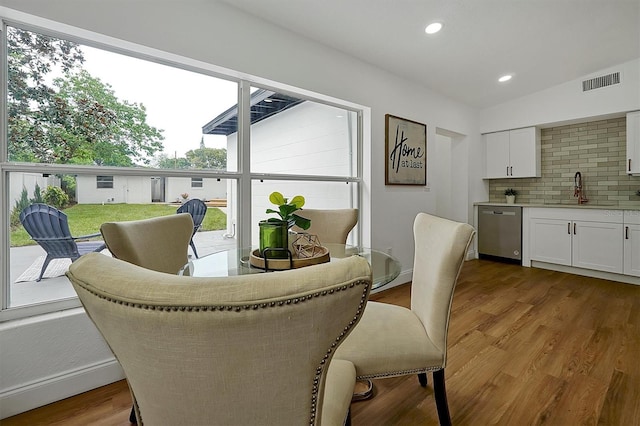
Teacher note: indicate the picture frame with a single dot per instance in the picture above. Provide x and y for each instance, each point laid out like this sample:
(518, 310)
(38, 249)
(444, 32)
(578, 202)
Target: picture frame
(405, 151)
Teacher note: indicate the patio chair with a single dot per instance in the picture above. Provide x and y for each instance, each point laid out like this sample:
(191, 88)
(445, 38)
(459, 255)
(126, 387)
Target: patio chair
(48, 227)
(197, 209)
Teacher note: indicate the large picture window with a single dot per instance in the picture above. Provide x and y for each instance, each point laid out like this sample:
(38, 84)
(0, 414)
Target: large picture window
(103, 136)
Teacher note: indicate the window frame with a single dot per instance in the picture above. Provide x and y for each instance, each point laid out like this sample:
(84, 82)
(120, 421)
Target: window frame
(243, 175)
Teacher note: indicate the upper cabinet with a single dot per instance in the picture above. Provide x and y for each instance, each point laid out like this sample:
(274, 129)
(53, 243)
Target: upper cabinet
(513, 153)
(633, 143)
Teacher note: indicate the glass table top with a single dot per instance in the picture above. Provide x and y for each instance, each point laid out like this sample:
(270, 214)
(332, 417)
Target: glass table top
(385, 268)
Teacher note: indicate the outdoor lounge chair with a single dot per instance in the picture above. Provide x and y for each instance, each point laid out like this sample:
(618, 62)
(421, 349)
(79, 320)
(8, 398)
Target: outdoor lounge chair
(197, 209)
(49, 228)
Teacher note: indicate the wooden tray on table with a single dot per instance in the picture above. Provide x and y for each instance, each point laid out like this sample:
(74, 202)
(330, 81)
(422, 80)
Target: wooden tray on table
(282, 264)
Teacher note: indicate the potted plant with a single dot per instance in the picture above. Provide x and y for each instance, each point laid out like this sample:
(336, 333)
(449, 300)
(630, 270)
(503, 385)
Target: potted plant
(274, 231)
(510, 193)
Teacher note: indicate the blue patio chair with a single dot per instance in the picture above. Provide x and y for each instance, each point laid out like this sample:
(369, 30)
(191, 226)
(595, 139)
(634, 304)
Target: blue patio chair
(197, 209)
(49, 228)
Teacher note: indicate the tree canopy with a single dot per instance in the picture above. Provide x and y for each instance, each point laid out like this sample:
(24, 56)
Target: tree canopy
(59, 113)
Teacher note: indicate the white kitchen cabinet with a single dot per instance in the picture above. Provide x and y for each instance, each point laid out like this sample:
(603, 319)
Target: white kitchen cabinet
(554, 237)
(633, 143)
(513, 153)
(632, 243)
(597, 245)
(550, 240)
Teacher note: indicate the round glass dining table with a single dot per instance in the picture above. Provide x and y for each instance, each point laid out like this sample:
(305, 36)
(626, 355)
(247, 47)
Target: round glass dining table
(385, 268)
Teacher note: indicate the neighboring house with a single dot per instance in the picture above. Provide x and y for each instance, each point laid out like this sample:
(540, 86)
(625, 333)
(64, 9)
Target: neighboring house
(142, 189)
(295, 137)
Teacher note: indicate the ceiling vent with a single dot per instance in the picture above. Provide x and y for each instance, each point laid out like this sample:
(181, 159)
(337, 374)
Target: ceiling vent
(602, 81)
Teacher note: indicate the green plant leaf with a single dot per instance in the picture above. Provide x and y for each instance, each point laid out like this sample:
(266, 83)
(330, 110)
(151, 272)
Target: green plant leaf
(277, 198)
(298, 201)
(301, 222)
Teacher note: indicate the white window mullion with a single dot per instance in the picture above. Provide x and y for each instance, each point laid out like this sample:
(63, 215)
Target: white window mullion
(244, 164)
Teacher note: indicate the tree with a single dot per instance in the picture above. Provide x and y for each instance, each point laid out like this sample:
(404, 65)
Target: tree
(164, 162)
(75, 118)
(207, 158)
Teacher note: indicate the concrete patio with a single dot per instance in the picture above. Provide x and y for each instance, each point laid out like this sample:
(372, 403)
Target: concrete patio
(31, 292)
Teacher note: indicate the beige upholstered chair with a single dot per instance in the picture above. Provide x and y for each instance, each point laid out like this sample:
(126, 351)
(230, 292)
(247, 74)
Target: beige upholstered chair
(394, 341)
(331, 226)
(159, 243)
(243, 350)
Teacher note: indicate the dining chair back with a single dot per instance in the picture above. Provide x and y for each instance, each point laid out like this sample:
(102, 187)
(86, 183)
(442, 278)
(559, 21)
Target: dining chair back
(332, 225)
(197, 209)
(242, 350)
(159, 243)
(49, 227)
(394, 341)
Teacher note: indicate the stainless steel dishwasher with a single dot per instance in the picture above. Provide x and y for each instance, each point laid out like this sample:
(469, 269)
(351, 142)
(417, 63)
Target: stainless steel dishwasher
(500, 232)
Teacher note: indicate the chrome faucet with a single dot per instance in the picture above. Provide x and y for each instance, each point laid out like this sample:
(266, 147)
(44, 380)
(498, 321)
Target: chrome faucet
(577, 188)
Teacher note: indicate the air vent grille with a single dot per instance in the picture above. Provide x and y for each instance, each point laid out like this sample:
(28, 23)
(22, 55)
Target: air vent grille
(602, 81)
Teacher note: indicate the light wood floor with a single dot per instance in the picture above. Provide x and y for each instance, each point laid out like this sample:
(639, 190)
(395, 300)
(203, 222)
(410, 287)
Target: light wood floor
(526, 346)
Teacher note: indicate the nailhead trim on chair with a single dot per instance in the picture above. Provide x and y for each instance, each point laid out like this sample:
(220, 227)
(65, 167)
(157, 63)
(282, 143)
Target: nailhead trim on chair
(319, 369)
(399, 373)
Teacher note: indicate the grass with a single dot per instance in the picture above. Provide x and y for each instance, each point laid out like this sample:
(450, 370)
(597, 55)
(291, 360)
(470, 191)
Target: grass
(85, 219)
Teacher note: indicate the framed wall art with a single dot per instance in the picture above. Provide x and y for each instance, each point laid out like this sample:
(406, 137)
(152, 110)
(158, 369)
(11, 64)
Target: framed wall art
(405, 151)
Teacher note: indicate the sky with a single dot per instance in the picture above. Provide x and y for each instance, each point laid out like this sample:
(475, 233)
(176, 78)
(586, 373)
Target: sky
(177, 101)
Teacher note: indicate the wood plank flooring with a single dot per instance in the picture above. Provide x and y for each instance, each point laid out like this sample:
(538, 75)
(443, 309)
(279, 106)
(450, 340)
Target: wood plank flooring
(526, 347)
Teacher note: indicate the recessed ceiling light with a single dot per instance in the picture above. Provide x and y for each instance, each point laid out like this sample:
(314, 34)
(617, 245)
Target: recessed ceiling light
(433, 28)
(505, 78)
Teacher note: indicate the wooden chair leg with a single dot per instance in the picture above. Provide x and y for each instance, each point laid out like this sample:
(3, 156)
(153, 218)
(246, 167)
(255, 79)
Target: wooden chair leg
(422, 378)
(440, 393)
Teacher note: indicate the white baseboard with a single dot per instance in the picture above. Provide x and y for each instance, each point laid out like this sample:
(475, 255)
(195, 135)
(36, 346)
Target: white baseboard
(33, 395)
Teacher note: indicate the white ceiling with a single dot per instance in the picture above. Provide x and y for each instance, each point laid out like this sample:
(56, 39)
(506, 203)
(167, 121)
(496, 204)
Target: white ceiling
(542, 42)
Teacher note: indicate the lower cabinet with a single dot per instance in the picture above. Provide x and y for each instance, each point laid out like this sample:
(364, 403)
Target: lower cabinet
(583, 244)
(632, 243)
(594, 243)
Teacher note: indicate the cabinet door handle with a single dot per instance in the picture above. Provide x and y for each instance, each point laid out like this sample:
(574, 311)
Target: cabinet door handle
(507, 170)
(511, 168)
(626, 232)
(629, 164)
(569, 228)
(574, 229)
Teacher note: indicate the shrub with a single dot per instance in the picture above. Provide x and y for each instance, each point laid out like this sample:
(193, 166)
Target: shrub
(21, 204)
(56, 197)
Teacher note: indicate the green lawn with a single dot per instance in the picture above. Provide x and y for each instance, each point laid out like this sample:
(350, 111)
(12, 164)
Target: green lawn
(86, 219)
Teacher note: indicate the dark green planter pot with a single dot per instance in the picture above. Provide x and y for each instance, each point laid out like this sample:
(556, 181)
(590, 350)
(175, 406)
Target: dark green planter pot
(274, 235)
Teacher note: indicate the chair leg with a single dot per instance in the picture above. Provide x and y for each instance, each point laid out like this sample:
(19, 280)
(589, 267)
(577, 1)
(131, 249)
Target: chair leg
(44, 267)
(440, 393)
(193, 247)
(132, 416)
(422, 378)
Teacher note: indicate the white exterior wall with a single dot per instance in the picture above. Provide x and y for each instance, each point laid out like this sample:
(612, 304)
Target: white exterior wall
(308, 139)
(28, 181)
(137, 190)
(126, 189)
(211, 189)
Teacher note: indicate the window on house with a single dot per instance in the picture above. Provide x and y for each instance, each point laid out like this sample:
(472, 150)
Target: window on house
(104, 182)
(117, 118)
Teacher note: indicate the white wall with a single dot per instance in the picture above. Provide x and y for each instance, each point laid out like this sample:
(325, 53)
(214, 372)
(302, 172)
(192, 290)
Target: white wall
(126, 189)
(567, 102)
(218, 34)
(19, 181)
(211, 188)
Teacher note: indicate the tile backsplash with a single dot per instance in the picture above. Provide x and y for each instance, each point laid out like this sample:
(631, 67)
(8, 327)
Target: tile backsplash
(597, 149)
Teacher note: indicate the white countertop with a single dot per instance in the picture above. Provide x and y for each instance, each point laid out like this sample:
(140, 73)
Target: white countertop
(564, 206)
